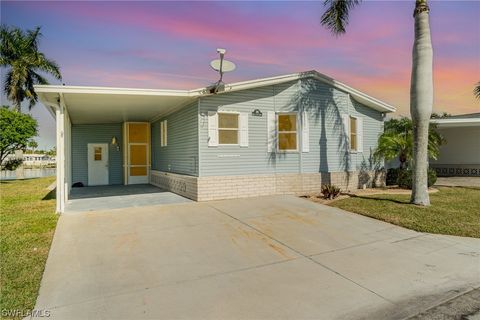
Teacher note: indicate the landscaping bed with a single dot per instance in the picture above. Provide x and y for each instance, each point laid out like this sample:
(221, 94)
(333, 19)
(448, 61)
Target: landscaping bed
(27, 220)
(453, 210)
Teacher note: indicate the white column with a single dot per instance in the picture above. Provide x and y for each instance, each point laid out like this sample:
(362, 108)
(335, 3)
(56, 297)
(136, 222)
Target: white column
(67, 151)
(60, 120)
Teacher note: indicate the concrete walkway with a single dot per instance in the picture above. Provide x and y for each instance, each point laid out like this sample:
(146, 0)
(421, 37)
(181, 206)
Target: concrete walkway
(272, 257)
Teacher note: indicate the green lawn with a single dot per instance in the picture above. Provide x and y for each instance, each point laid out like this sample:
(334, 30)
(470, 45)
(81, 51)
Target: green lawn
(27, 221)
(453, 211)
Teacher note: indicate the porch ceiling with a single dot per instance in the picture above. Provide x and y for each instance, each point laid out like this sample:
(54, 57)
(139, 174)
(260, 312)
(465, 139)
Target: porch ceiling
(117, 105)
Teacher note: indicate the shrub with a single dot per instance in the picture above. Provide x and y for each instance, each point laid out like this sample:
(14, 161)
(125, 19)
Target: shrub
(330, 191)
(392, 176)
(405, 178)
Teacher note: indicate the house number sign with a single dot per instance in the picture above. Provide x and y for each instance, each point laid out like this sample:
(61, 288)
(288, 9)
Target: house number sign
(257, 113)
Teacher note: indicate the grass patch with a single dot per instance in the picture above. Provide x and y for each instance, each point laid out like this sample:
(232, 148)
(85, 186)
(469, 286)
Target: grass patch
(27, 221)
(453, 211)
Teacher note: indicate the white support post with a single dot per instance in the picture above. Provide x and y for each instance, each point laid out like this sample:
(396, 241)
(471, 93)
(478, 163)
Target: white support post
(60, 121)
(67, 149)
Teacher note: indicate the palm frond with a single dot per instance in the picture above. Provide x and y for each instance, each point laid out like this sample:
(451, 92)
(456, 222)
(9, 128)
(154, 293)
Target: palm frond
(49, 66)
(476, 91)
(19, 53)
(39, 79)
(396, 142)
(336, 17)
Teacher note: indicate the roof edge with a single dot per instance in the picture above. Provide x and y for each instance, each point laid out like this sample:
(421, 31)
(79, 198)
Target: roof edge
(236, 86)
(363, 97)
(456, 122)
(111, 90)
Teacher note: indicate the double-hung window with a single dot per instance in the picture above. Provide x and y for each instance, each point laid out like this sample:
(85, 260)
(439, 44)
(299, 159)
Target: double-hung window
(228, 125)
(287, 132)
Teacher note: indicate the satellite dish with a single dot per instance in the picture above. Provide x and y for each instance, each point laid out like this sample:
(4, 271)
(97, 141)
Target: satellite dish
(222, 65)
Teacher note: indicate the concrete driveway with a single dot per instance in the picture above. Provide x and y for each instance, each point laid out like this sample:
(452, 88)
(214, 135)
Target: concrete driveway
(458, 182)
(272, 257)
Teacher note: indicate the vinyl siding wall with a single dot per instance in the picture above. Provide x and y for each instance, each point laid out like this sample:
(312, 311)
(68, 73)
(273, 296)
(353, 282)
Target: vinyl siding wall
(328, 146)
(84, 134)
(461, 147)
(181, 153)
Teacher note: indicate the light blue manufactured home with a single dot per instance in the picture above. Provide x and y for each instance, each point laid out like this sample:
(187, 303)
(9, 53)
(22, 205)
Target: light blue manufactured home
(282, 135)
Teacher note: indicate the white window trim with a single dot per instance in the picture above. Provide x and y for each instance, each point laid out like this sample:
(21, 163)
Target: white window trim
(278, 132)
(231, 129)
(350, 134)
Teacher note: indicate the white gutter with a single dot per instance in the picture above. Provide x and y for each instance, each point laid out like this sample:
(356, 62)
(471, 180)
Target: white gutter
(456, 122)
(108, 90)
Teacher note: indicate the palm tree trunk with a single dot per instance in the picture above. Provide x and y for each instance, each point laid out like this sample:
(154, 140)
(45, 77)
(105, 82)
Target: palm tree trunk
(421, 100)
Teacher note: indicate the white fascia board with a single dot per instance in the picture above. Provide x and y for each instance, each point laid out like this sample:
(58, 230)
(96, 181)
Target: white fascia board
(116, 91)
(458, 122)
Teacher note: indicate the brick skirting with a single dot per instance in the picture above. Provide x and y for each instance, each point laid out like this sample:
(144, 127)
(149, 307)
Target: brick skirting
(230, 187)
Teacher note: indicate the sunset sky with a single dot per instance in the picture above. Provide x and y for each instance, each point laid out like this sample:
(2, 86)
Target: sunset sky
(169, 45)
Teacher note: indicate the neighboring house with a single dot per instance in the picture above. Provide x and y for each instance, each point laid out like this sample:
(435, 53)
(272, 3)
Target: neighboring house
(286, 134)
(31, 159)
(460, 156)
(37, 159)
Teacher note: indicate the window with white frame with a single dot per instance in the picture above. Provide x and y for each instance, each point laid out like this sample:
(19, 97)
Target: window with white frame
(163, 133)
(287, 132)
(353, 127)
(228, 125)
(353, 133)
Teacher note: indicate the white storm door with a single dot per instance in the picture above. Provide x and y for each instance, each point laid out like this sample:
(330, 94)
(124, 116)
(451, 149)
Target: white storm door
(97, 164)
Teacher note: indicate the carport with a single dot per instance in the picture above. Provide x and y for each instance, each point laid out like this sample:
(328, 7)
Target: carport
(119, 196)
(112, 128)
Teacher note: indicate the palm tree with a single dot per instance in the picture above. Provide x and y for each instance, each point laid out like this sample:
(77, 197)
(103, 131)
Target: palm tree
(396, 142)
(32, 144)
(19, 54)
(476, 91)
(335, 19)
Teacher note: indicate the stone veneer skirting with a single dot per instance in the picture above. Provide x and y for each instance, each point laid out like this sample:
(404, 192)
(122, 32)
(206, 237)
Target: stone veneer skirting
(229, 187)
